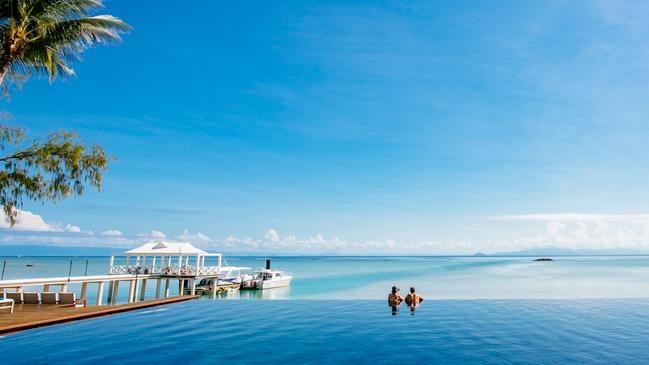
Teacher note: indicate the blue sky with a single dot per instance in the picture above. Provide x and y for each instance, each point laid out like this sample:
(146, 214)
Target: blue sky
(354, 127)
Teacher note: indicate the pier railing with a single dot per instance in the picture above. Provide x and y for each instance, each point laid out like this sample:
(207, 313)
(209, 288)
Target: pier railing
(164, 271)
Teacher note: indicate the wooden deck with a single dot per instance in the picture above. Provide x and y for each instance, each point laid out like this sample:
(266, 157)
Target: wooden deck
(29, 316)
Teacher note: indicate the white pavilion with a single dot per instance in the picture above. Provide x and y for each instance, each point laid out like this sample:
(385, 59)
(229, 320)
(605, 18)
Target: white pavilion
(164, 261)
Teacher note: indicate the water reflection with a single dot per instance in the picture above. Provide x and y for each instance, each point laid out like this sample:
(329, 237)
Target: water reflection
(395, 309)
(412, 309)
(275, 293)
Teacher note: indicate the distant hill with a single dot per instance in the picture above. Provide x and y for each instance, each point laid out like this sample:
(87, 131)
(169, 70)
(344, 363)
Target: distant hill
(42, 250)
(558, 251)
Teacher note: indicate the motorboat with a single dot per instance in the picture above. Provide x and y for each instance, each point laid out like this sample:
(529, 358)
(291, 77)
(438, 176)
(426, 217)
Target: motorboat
(230, 276)
(266, 279)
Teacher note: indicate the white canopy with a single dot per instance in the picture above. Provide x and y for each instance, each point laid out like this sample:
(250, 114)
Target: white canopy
(166, 248)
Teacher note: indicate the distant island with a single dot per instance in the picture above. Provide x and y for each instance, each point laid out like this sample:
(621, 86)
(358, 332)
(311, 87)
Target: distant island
(558, 251)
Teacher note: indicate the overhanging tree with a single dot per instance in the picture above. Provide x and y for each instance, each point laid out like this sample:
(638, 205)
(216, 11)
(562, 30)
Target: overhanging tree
(42, 38)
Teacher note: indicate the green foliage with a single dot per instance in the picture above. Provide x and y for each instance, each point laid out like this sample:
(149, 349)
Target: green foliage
(47, 170)
(41, 37)
(37, 38)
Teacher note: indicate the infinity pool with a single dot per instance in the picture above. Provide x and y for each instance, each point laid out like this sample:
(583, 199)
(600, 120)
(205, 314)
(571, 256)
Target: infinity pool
(335, 331)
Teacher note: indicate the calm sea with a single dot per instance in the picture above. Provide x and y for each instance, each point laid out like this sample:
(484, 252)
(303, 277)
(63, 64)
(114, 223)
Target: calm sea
(477, 311)
(438, 277)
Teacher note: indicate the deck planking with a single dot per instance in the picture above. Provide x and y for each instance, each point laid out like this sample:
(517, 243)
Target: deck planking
(30, 316)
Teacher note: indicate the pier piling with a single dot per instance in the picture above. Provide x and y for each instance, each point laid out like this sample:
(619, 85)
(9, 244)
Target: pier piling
(136, 290)
(157, 289)
(131, 290)
(142, 290)
(84, 290)
(115, 292)
(110, 292)
(100, 292)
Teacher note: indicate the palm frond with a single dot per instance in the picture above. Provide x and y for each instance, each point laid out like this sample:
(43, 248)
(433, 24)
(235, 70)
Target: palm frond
(62, 8)
(46, 35)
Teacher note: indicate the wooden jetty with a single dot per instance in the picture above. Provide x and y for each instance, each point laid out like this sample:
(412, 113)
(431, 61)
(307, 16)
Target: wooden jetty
(29, 316)
(161, 262)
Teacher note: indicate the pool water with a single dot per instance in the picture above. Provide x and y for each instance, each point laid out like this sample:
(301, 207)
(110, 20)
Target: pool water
(342, 331)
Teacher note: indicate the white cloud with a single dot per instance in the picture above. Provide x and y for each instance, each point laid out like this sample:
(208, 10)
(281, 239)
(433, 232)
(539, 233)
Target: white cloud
(157, 234)
(65, 239)
(198, 237)
(526, 231)
(111, 233)
(570, 217)
(28, 221)
(272, 235)
(153, 235)
(72, 229)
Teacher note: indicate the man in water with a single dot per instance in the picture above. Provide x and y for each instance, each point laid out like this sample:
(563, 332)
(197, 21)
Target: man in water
(413, 300)
(394, 300)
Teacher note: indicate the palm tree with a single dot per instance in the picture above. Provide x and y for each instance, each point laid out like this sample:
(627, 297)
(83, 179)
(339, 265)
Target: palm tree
(41, 37)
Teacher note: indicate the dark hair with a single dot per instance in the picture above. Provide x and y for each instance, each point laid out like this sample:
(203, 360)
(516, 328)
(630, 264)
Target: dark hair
(412, 289)
(395, 289)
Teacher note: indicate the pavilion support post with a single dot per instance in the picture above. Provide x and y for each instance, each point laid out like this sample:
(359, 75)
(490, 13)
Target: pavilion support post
(84, 290)
(136, 290)
(100, 292)
(167, 288)
(142, 290)
(115, 293)
(193, 292)
(64, 288)
(110, 292)
(181, 287)
(157, 288)
(131, 291)
(214, 282)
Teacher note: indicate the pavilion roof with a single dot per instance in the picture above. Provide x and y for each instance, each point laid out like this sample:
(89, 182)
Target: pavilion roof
(163, 248)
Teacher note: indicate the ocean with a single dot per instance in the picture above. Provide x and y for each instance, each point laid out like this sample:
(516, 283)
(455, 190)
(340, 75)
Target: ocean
(436, 277)
(478, 310)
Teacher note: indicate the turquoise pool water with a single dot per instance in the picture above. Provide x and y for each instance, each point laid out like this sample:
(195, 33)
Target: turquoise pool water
(599, 331)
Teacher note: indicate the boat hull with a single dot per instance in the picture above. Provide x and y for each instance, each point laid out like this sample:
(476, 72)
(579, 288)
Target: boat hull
(266, 284)
(276, 283)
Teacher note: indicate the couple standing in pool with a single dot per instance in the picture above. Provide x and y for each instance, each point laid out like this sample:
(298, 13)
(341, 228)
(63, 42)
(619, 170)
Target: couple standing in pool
(412, 300)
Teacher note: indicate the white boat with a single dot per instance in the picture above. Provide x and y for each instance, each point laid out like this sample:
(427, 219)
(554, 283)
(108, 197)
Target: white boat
(229, 275)
(267, 279)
